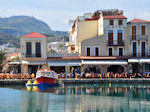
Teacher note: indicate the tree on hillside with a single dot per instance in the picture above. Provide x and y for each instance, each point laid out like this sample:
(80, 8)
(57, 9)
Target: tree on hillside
(2, 58)
(16, 59)
(52, 51)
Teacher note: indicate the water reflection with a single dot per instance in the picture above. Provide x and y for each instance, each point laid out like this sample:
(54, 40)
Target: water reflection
(85, 98)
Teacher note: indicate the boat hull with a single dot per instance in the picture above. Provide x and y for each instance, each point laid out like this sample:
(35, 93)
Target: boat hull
(47, 81)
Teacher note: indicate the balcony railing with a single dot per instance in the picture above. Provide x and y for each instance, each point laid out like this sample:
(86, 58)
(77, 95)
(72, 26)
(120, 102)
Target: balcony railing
(139, 37)
(33, 55)
(140, 55)
(115, 43)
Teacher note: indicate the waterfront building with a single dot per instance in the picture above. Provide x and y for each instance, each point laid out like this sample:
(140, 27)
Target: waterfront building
(99, 42)
(100, 38)
(33, 52)
(139, 45)
(57, 47)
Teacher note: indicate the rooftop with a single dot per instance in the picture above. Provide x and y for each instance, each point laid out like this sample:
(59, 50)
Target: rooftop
(136, 20)
(34, 35)
(115, 17)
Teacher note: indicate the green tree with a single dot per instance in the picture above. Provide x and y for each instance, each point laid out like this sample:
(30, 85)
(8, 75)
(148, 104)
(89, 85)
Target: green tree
(2, 58)
(60, 47)
(52, 51)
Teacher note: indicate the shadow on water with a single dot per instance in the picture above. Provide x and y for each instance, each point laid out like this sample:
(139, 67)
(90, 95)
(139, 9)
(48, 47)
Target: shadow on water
(86, 98)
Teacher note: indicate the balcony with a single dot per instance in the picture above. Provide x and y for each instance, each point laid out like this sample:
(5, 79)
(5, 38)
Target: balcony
(141, 55)
(115, 43)
(139, 37)
(33, 55)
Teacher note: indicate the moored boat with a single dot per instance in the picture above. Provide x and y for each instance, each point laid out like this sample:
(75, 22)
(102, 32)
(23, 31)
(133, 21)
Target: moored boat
(46, 77)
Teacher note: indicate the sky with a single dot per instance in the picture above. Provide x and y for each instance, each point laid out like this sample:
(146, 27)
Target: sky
(57, 13)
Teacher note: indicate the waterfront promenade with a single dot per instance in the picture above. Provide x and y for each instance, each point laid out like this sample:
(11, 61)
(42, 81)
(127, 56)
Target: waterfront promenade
(125, 78)
(84, 81)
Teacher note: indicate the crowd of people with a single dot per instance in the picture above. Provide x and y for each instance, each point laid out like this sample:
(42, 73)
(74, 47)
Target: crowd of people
(103, 75)
(83, 75)
(16, 76)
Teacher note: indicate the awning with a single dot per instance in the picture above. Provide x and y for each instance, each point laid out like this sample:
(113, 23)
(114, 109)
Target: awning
(133, 60)
(144, 60)
(14, 63)
(140, 60)
(104, 62)
(40, 62)
(64, 63)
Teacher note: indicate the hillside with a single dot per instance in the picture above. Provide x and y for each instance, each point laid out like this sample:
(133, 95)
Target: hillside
(21, 25)
(13, 27)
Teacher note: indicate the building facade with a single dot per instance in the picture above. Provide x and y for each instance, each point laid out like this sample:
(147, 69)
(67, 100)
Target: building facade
(33, 52)
(139, 45)
(99, 42)
(125, 43)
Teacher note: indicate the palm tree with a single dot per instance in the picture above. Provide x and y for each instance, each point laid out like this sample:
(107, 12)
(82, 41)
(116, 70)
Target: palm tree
(2, 58)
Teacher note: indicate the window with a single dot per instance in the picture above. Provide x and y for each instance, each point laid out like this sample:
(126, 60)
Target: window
(143, 30)
(134, 49)
(110, 37)
(120, 51)
(88, 51)
(143, 49)
(111, 22)
(110, 52)
(147, 67)
(133, 32)
(28, 49)
(120, 42)
(38, 49)
(97, 49)
(119, 22)
(72, 47)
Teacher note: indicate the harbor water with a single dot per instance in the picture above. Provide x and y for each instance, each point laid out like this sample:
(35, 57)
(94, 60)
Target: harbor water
(76, 98)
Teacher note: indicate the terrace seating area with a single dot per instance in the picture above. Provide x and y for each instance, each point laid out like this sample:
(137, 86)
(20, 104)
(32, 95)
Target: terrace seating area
(16, 76)
(102, 75)
(83, 75)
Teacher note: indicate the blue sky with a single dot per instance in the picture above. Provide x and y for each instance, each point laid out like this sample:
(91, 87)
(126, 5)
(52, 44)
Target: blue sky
(56, 13)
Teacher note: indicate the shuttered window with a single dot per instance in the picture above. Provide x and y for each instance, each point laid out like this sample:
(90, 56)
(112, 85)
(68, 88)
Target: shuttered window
(88, 51)
(119, 22)
(111, 22)
(143, 29)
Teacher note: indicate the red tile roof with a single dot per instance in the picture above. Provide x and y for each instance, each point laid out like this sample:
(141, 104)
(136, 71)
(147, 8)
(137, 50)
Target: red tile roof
(87, 57)
(115, 17)
(136, 20)
(33, 35)
(9, 57)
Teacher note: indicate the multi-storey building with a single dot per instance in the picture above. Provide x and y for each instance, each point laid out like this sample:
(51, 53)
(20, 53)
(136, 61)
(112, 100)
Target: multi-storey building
(139, 45)
(99, 42)
(100, 37)
(33, 52)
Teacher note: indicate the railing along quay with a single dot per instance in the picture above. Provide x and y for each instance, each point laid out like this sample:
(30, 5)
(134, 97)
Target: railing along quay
(107, 80)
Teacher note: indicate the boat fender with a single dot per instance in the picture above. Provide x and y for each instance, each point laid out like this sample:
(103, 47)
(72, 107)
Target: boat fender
(29, 82)
(35, 82)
